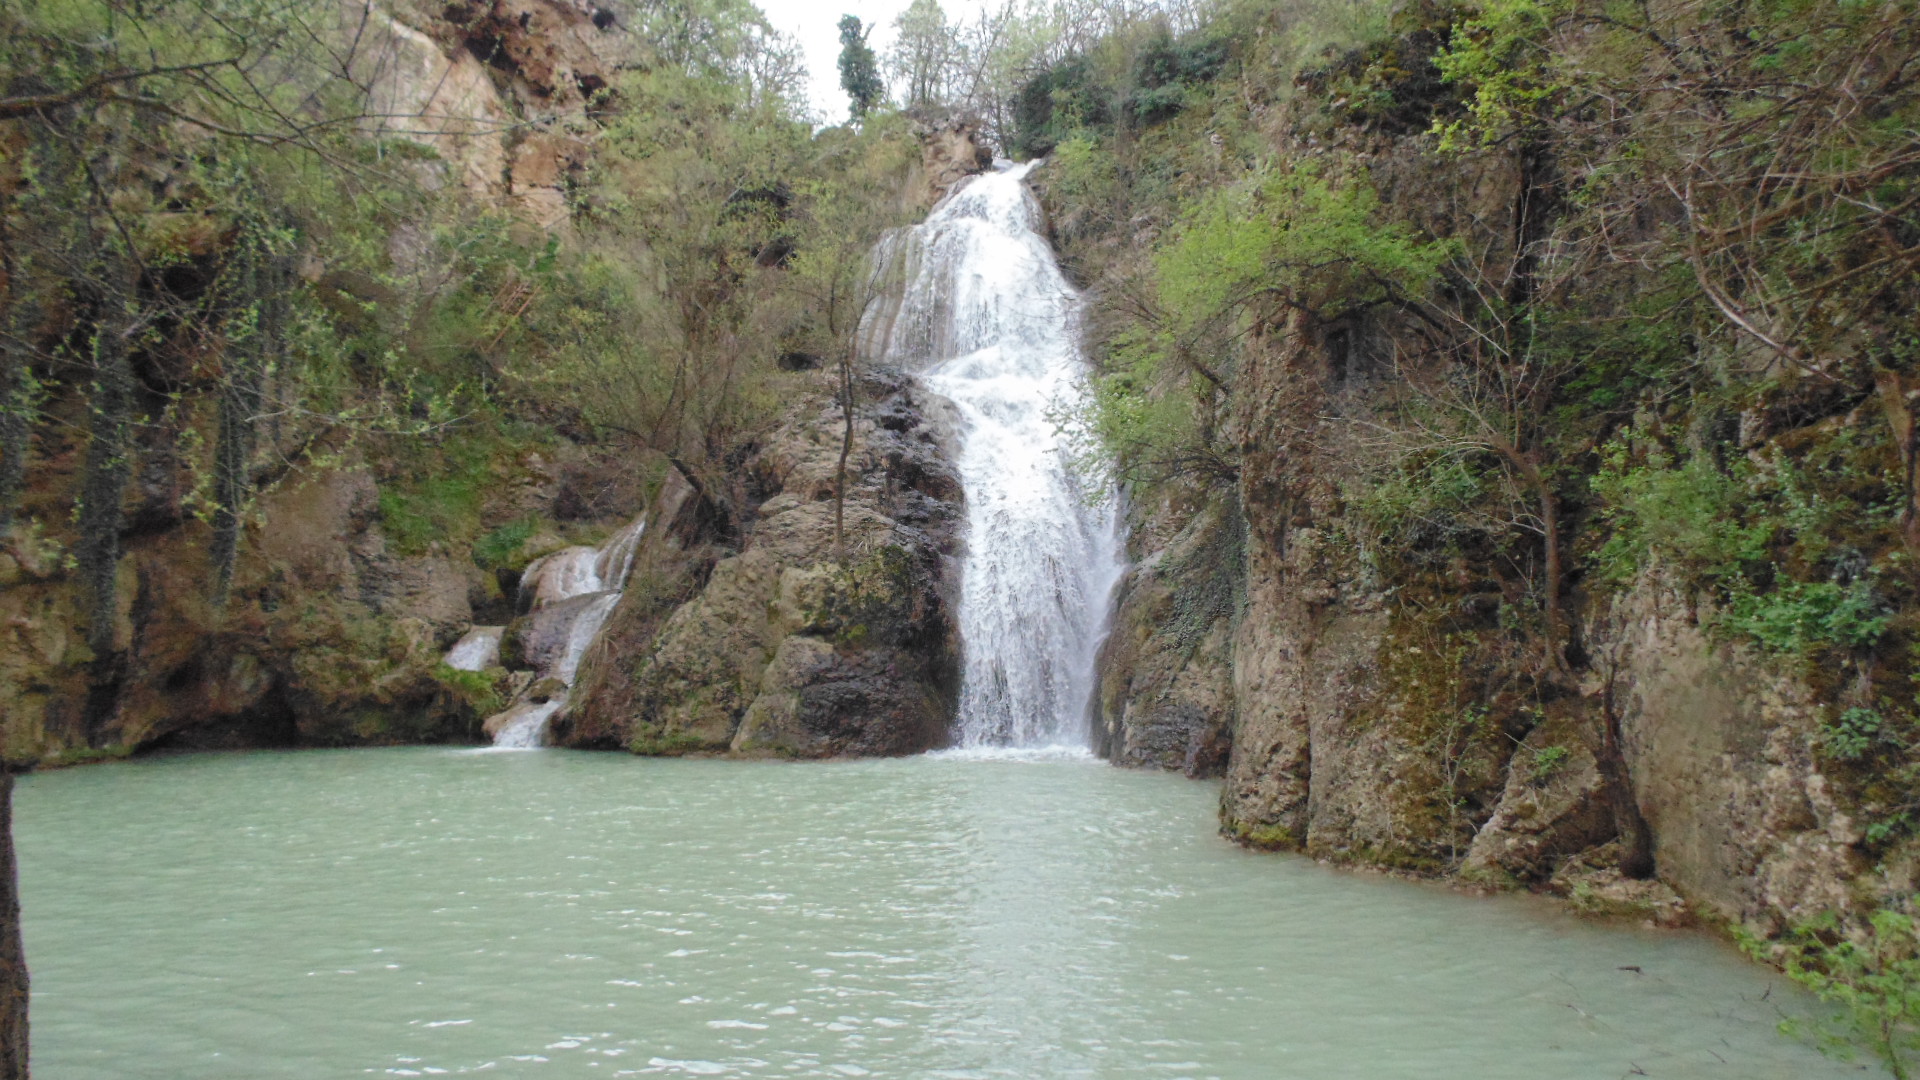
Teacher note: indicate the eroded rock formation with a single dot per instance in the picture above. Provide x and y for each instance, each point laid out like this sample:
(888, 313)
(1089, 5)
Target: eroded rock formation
(501, 90)
(951, 150)
(328, 634)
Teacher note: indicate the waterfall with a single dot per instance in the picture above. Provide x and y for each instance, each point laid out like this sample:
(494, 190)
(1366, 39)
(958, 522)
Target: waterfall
(478, 650)
(990, 323)
(572, 592)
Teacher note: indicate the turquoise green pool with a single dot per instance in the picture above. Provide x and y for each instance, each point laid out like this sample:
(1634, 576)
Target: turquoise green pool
(422, 912)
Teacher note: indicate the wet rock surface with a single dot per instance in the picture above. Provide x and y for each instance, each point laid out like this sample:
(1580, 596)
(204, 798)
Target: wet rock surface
(1165, 698)
(328, 635)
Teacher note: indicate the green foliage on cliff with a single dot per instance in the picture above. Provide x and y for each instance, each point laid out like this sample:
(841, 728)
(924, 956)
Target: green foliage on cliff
(479, 691)
(1292, 236)
(1501, 51)
(1687, 514)
(226, 252)
(1289, 239)
(1719, 528)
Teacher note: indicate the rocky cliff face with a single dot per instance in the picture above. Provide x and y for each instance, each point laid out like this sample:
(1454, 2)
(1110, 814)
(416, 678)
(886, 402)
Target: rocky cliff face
(1419, 710)
(951, 149)
(758, 636)
(328, 635)
(1720, 745)
(1166, 697)
(1365, 731)
(500, 90)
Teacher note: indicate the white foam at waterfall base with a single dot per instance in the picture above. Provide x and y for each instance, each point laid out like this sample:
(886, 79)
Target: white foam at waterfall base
(992, 324)
(1054, 752)
(528, 728)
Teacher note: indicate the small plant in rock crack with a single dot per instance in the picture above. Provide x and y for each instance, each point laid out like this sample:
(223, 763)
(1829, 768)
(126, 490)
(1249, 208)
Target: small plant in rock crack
(1854, 735)
(1547, 761)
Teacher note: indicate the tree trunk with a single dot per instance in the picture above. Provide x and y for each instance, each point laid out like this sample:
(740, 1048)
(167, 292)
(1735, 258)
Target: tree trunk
(13, 957)
(1549, 504)
(1550, 522)
(1896, 401)
(846, 450)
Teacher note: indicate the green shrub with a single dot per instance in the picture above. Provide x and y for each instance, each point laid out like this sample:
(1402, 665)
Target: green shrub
(1800, 616)
(1547, 761)
(1688, 513)
(440, 490)
(499, 547)
(1853, 736)
(478, 690)
(1872, 973)
(1719, 529)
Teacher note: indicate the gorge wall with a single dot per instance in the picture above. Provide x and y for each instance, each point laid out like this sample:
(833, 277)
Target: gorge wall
(1469, 536)
(360, 393)
(1336, 599)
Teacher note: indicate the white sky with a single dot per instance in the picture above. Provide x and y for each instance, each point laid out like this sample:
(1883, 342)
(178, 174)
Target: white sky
(814, 23)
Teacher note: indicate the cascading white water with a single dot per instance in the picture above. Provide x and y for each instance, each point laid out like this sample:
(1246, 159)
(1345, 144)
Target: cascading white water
(477, 651)
(595, 577)
(991, 324)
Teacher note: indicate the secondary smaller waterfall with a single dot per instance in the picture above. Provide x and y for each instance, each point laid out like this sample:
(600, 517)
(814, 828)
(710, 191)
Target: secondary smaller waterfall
(988, 319)
(572, 591)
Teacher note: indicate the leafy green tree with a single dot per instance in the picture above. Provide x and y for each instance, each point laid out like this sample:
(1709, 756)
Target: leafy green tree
(1281, 240)
(859, 70)
(924, 54)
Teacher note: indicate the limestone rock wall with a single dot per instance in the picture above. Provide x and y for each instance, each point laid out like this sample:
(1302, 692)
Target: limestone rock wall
(1719, 742)
(1166, 696)
(1360, 732)
(326, 637)
(501, 90)
(951, 149)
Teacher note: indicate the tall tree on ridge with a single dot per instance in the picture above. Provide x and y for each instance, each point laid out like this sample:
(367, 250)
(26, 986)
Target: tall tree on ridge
(859, 71)
(924, 53)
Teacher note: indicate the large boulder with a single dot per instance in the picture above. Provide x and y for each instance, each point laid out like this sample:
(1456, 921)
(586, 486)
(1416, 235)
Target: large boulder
(787, 638)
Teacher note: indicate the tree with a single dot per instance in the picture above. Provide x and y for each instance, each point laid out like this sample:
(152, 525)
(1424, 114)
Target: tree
(924, 54)
(13, 959)
(859, 73)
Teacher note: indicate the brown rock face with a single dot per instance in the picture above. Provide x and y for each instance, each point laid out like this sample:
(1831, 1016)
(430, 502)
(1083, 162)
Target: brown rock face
(326, 637)
(1363, 731)
(1719, 745)
(951, 150)
(778, 645)
(1552, 807)
(1166, 693)
(500, 89)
